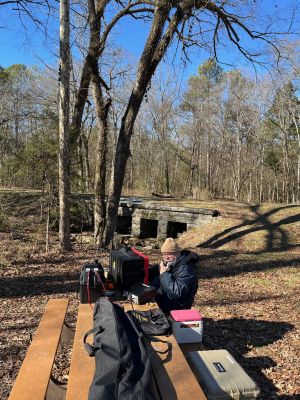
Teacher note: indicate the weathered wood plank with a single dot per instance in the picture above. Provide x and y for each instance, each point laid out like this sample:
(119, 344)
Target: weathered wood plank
(82, 366)
(33, 378)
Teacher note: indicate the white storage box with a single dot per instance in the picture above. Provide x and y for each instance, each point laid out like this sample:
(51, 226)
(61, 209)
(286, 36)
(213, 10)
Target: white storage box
(221, 377)
(187, 326)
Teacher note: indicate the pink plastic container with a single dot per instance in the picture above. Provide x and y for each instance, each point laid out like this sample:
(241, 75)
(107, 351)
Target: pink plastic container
(186, 315)
(187, 326)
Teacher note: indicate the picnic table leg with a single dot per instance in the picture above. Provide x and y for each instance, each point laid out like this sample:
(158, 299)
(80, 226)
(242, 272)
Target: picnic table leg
(57, 390)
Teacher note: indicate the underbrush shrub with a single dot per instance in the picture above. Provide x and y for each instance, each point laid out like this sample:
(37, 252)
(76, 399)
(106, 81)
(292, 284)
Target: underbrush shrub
(81, 217)
(81, 214)
(201, 194)
(4, 224)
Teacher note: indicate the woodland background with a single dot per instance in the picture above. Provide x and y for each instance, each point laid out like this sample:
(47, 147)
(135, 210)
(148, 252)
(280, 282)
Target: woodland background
(225, 136)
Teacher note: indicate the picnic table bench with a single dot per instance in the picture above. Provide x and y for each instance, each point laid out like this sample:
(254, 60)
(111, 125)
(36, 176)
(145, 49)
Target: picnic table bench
(172, 374)
(34, 377)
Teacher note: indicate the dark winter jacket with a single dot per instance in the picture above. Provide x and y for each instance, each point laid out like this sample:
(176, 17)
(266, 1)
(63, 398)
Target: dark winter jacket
(177, 287)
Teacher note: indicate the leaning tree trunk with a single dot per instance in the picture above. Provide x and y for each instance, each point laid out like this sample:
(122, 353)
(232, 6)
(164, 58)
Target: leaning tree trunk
(102, 109)
(95, 14)
(154, 50)
(81, 97)
(64, 128)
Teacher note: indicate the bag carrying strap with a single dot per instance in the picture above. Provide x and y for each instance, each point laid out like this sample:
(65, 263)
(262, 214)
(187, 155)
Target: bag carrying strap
(150, 338)
(88, 347)
(155, 339)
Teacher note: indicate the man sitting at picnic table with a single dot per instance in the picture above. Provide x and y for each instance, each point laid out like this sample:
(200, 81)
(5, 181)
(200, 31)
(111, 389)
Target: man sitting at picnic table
(175, 277)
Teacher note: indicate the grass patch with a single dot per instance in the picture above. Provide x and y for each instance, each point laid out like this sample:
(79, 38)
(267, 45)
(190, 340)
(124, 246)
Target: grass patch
(260, 282)
(264, 228)
(4, 222)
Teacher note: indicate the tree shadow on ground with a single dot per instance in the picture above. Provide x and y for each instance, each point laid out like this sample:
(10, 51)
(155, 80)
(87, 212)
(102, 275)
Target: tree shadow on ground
(16, 327)
(239, 336)
(241, 300)
(34, 285)
(50, 260)
(222, 265)
(277, 238)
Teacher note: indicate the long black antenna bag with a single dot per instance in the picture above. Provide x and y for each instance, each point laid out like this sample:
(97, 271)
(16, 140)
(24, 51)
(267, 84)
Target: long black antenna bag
(123, 370)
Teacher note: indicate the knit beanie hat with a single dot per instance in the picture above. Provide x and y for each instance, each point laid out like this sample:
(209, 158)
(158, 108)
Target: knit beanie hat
(170, 246)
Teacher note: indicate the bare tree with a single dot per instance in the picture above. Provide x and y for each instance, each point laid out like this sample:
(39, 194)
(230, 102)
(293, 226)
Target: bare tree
(90, 73)
(170, 20)
(189, 23)
(64, 128)
(161, 109)
(202, 104)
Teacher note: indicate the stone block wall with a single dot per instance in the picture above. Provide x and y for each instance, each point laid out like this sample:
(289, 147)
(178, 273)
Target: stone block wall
(163, 216)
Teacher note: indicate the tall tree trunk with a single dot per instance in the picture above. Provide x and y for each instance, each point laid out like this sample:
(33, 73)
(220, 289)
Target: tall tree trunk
(86, 162)
(189, 179)
(239, 169)
(113, 145)
(165, 158)
(175, 172)
(167, 175)
(249, 190)
(208, 164)
(81, 164)
(80, 101)
(64, 128)
(261, 186)
(102, 109)
(286, 168)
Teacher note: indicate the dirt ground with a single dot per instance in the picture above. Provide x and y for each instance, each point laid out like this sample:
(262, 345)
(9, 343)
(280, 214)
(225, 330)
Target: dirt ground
(248, 294)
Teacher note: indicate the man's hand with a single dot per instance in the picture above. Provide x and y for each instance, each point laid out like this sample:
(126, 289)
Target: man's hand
(163, 268)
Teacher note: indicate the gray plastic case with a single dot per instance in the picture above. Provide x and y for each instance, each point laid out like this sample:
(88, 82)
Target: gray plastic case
(221, 377)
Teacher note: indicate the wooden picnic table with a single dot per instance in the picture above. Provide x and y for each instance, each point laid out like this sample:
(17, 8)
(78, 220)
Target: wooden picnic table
(173, 376)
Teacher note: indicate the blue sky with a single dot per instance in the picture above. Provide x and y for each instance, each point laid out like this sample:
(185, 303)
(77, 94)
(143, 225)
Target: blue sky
(23, 43)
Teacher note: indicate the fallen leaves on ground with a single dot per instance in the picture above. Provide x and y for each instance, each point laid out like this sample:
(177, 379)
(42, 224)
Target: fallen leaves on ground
(250, 304)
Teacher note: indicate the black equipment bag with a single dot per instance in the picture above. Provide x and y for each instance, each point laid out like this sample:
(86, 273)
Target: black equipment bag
(126, 267)
(92, 282)
(151, 322)
(123, 370)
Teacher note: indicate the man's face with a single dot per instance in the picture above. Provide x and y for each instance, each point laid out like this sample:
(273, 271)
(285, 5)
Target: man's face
(169, 257)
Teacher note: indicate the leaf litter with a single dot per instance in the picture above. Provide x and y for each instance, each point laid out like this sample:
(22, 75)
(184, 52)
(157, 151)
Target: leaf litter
(249, 300)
